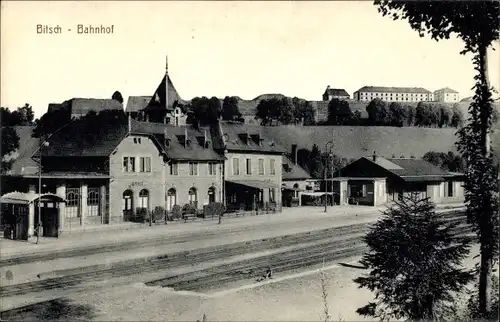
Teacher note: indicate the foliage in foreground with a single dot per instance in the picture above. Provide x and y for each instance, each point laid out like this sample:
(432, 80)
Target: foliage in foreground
(414, 261)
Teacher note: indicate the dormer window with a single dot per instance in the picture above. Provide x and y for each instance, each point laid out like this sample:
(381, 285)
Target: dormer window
(188, 142)
(261, 141)
(207, 144)
(167, 143)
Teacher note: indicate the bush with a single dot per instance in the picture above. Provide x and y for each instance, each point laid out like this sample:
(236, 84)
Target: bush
(176, 212)
(158, 213)
(141, 215)
(214, 209)
(188, 209)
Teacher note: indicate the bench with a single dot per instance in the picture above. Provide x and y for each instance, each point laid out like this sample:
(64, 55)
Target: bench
(188, 216)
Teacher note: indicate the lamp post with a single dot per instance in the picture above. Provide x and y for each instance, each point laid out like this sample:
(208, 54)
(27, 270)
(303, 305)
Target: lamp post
(42, 144)
(328, 144)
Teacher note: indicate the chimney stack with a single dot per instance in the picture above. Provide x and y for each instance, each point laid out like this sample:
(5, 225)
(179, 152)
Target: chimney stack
(165, 138)
(294, 153)
(205, 139)
(185, 137)
(129, 123)
(374, 156)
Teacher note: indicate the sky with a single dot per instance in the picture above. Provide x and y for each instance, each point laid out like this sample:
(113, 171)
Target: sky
(218, 49)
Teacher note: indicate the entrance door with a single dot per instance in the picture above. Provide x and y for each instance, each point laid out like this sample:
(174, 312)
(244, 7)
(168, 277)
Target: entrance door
(50, 221)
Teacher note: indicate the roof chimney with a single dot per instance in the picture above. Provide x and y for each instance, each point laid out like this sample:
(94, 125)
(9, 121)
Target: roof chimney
(374, 156)
(129, 123)
(294, 153)
(186, 137)
(205, 139)
(165, 137)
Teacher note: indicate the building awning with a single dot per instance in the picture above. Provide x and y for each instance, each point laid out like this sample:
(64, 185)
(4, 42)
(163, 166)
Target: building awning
(22, 198)
(291, 188)
(430, 178)
(255, 184)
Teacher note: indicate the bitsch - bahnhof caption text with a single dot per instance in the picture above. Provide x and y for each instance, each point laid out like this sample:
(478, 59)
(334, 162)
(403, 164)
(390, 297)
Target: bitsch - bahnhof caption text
(79, 29)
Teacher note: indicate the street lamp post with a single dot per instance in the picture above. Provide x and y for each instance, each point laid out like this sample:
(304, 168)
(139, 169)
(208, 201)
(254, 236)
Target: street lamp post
(328, 144)
(44, 143)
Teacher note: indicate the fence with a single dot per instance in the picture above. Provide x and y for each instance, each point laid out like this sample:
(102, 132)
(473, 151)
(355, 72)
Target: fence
(142, 218)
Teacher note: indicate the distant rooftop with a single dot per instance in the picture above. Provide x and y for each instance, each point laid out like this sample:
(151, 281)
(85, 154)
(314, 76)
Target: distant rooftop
(393, 89)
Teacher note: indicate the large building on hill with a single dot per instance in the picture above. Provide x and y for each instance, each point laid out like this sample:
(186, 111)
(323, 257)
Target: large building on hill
(393, 94)
(446, 95)
(79, 107)
(331, 93)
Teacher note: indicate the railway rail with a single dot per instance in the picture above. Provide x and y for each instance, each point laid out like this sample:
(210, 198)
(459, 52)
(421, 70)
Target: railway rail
(307, 243)
(147, 242)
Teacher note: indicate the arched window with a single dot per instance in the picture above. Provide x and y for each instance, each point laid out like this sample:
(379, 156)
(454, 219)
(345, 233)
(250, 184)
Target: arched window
(193, 198)
(127, 204)
(93, 200)
(73, 202)
(171, 198)
(144, 199)
(211, 195)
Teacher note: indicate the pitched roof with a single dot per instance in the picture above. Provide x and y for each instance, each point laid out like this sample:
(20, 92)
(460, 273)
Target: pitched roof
(336, 92)
(447, 90)
(235, 136)
(78, 140)
(293, 171)
(22, 161)
(177, 150)
(137, 103)
(410, 169)
(158, 98)
(384, 89)
(85, 105)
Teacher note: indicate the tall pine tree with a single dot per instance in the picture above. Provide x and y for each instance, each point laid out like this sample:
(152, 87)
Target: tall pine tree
(414, 260)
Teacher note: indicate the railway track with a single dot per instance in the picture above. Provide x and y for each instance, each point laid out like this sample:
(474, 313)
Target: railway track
(148, 242)
(324, 238)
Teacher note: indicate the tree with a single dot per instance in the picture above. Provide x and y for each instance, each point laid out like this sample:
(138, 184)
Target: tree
(398, 115)
(205, 111)
(117, 96)
(457, 118)
(339, 112)
(357, 118)
(477, 24)
(447, 161)
(378, 112)
(308, 114)
(414, 261)
(445, 115)
(230, 110)
(10, 143)
(21, 116)
(315, 164)
(51, 122)
(263, 112)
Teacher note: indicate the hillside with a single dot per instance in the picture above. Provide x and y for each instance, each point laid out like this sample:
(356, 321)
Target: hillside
(354, 142)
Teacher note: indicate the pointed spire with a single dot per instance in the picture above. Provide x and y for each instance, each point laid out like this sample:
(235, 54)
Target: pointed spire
(166, 82)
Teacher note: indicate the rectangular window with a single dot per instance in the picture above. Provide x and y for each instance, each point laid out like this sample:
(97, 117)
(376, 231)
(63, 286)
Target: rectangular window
(261, 167)
(145, 164)
(212, 169)
(236, 166)
(193, 168)
(128, 164)
(272, 168)
(272, 197)
(249, 166)
(174, 169)
(450, 188)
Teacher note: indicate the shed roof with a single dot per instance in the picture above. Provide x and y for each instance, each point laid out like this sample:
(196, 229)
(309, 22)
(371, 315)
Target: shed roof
(293, 171)
(29, 197)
